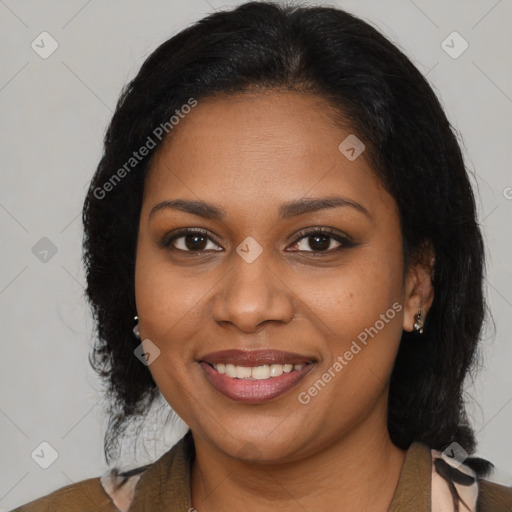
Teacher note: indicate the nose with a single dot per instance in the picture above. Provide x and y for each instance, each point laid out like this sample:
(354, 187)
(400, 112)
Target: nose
(252, 294)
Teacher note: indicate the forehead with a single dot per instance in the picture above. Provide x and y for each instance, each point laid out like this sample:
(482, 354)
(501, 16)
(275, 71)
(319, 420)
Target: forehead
(259, 148)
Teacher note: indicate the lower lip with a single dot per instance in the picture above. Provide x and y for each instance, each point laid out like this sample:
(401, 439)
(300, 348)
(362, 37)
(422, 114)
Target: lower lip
(252, 390)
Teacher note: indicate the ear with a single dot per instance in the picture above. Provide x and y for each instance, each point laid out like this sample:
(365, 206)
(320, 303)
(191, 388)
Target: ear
(419, 291)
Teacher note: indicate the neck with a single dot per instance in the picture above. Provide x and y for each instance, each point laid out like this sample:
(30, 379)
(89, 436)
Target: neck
(358, 471)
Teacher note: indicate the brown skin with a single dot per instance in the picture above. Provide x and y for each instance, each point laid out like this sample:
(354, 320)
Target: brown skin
(249, 154)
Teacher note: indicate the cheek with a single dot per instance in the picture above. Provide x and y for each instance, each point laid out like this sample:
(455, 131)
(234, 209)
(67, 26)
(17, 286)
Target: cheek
(361, 307)
(168, 297)
(352, 297)
(365, 327)
(168, 304)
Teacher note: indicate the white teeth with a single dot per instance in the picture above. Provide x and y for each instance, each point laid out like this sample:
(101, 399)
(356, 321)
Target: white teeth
(243, 372)
(230, 370)
(256, 372)
(276, 370)
(261, 372)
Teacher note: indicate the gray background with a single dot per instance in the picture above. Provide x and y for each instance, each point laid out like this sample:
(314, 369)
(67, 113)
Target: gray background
(54, 113)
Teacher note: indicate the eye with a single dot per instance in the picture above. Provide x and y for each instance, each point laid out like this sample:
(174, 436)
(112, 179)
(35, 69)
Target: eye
(191, 240)
(321, 240)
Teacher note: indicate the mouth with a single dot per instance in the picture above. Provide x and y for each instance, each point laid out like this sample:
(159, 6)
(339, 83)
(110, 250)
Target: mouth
(255, 376)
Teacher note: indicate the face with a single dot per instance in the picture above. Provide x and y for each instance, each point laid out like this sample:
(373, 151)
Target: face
(277, 315)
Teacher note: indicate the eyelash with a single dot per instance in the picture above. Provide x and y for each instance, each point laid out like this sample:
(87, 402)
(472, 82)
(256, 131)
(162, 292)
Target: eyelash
(343, 240)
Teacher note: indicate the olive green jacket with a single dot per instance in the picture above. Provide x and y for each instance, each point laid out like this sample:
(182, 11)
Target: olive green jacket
(164, 486)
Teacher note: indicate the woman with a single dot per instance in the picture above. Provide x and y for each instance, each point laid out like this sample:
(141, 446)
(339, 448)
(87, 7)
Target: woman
(283, 208)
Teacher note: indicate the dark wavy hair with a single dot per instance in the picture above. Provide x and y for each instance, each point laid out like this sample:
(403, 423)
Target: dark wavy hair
(375, 89)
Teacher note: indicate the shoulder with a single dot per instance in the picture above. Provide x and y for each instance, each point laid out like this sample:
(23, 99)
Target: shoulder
(110, 492)
(116, 490)
(455, 482)
(494, 497)
(84, 495)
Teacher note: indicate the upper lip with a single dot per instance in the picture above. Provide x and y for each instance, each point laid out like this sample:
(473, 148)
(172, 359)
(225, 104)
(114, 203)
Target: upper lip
(256, 357)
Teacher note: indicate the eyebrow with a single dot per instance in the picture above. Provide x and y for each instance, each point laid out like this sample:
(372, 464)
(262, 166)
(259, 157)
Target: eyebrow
(287, 210)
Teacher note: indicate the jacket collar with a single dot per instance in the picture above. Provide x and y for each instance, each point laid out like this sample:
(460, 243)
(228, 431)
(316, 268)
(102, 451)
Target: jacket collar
(413, 491)
(165, 485)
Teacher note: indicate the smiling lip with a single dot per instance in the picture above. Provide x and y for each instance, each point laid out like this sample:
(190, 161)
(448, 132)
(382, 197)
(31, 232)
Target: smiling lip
(255, 357)
(250, 390)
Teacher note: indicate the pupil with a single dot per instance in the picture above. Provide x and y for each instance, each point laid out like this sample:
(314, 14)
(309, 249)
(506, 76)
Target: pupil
(324, 245)
(193, 246)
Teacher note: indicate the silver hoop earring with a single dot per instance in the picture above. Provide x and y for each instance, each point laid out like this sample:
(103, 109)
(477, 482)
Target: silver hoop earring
(136, 331)
(419, 321)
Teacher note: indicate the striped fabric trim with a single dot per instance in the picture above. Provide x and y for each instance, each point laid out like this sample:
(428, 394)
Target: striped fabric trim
(454, 485)
(120, 487)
